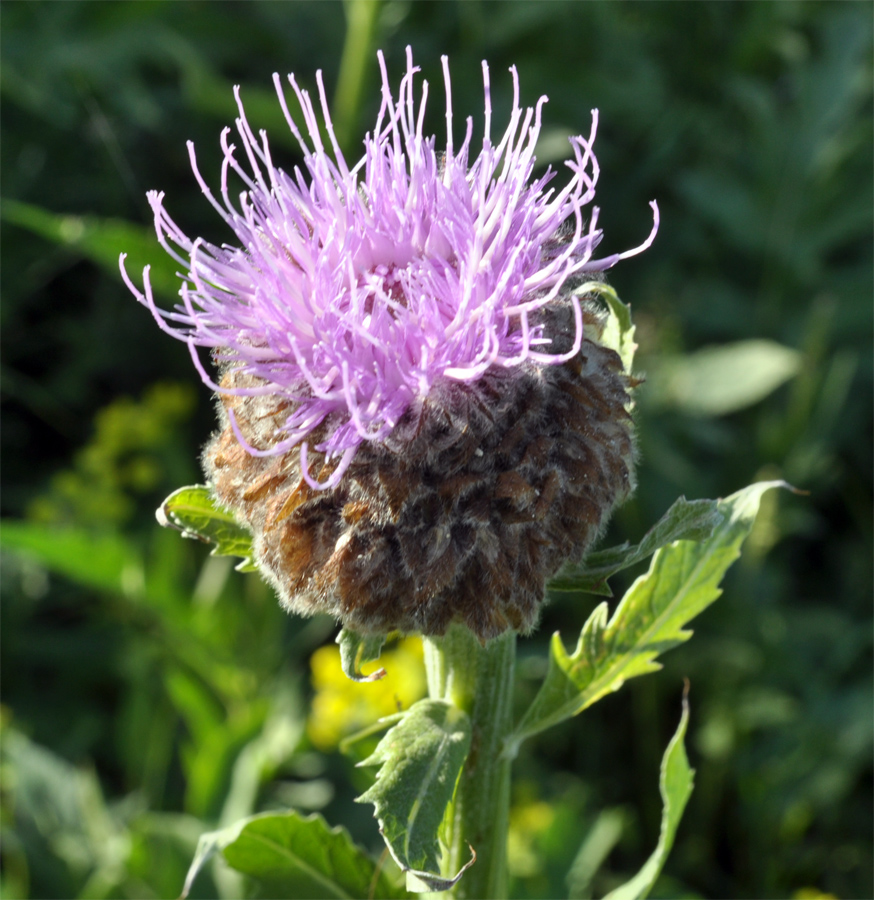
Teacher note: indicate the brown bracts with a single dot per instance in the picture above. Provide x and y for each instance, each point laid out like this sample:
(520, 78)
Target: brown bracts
(477, 497)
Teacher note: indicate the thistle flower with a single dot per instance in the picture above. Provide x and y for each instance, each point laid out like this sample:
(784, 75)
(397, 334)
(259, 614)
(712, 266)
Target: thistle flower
(418, 422)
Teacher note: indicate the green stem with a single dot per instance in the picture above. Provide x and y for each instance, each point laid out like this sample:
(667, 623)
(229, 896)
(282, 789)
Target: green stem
(478, 680)
(361, 16)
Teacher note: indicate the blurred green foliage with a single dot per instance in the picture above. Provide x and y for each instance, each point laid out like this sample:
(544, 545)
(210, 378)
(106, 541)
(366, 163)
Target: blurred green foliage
(151, 693)
(130, 454)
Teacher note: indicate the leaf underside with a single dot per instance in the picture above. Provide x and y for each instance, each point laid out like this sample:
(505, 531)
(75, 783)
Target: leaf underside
(420, 759)
(193, 511)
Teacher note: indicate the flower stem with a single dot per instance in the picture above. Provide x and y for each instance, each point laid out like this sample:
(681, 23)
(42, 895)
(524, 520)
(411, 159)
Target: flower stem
(478, 680)
(361, 18)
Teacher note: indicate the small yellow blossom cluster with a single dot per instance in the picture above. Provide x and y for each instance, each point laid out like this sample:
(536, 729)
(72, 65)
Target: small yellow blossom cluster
(341, 707)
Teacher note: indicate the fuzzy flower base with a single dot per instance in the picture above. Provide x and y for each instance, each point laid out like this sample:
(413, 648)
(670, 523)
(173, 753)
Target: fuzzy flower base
(475, 500)
(418, 423)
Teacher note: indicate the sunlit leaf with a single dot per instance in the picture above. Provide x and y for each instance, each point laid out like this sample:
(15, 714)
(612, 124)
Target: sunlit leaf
(618, 332)
(104, 561)
(194, 512)
(685, 521)
(420, 760)
(675, 783)
(719, 380)
(101, 241)
(682, 581)
(295, 856)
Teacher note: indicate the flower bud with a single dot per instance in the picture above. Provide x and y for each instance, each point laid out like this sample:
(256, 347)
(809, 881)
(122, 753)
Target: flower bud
(419, 423)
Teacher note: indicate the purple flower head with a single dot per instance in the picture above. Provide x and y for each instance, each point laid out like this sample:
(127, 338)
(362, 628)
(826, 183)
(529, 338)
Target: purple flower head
(353, 290)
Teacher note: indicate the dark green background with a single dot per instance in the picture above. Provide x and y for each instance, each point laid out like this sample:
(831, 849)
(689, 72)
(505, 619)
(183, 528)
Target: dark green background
(750, 123)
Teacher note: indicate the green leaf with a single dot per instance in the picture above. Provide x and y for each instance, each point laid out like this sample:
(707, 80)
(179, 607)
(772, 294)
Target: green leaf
(293, 856)
(675, 783)
(682, 581)
(61, 808)
(193, 511)
(420, 759)
(685, 521)
(715, 381)
(618, 331)
(598, 844)
(382, 724)
(100, 240)
(356, 650)
(106, 562)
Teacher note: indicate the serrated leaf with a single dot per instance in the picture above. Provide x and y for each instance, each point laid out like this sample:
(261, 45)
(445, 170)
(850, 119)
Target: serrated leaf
(675, 784)
(295, 856)
(683, 580)
(193, 511)
(101, 241)
(618, 331)
(686, 520)
(356, 650)
(420, 759)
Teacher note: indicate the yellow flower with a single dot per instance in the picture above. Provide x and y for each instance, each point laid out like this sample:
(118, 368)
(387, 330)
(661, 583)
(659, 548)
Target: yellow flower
(528, 820)
(341, 707)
